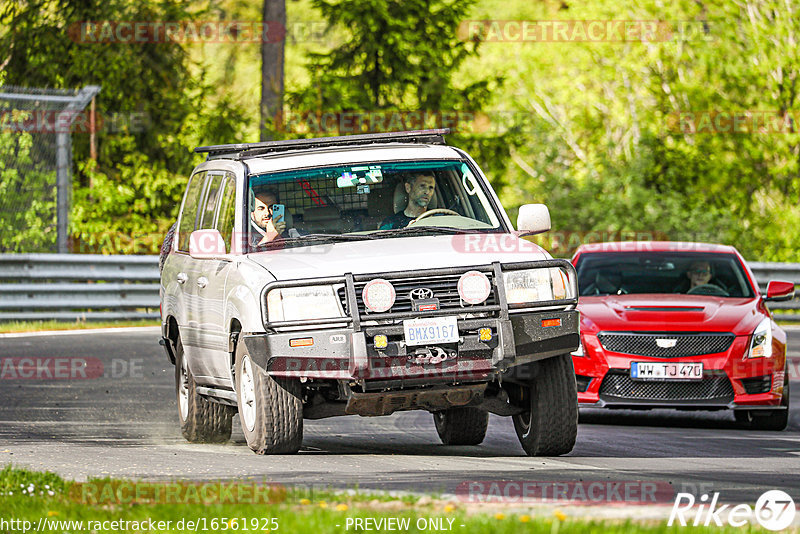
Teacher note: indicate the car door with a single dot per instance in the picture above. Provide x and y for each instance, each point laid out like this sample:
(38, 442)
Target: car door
(220, 206)
(180, 271)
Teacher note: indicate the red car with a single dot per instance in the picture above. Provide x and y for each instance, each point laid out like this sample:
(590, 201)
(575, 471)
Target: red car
(679, 325)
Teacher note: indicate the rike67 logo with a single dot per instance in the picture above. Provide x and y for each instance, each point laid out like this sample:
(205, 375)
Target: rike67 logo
(774, 510)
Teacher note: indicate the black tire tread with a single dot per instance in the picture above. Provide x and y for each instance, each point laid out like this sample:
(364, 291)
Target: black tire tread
(206, 421)
(462, 426)
(554, 402)
(279, 420)
(166, 246)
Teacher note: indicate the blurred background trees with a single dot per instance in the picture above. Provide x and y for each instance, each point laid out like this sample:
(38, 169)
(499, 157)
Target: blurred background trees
(589, 128)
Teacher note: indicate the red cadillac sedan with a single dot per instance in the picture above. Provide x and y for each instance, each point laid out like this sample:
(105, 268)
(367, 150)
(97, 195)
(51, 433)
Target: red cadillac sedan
(679, 325)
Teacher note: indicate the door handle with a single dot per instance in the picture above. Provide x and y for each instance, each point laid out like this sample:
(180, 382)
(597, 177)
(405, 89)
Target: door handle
(202, 281)
(182, 277)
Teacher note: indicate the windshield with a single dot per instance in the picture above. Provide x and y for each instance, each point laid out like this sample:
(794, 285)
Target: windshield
(662, 272)
(367, 201)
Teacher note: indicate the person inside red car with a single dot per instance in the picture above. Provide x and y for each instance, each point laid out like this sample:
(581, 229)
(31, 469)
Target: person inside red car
(698, 277)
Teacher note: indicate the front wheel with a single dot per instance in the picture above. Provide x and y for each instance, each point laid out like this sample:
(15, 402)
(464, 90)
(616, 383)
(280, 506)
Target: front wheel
(774, 420)
(461, 426)
(270, 409)
(202, 421)
(549, 426)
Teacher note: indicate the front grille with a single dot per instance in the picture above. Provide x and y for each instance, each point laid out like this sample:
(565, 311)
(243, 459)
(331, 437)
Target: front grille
(622, 386)
(648, 344)
(759, 384)
(444, 287)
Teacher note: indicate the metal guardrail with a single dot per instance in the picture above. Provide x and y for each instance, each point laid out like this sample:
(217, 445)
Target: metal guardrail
(78, 286)
(96, 287)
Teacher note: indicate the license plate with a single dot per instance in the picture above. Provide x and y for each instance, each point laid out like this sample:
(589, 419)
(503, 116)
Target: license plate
(666, 371)
(430, 331)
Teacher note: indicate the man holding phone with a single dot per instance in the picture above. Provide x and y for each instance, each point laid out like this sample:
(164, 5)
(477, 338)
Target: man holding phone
(267, 219)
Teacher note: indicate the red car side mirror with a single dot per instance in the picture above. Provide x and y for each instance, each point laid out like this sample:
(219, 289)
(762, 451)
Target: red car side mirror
(779, 290)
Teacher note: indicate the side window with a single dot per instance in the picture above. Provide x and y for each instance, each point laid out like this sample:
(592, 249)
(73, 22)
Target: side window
(210, 201)
(227, 209)
(189, 211)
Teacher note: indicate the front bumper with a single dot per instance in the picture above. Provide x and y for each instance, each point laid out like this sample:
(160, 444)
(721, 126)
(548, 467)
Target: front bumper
(730, 381)
(347, 354)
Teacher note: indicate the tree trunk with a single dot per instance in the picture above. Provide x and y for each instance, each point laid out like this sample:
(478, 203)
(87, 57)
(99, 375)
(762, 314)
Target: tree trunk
(272, 52)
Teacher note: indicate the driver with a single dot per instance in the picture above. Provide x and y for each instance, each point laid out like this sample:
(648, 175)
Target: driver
(420, 189)
(699, 274)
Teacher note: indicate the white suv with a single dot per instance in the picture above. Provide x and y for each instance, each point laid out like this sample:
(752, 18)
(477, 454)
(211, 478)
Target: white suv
(364, 275)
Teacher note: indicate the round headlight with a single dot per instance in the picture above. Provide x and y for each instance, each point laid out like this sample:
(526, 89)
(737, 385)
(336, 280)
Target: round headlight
(378, 295)
(474, 287)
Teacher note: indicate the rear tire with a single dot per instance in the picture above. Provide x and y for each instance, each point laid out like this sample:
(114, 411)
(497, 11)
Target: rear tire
(550, 426)
(202, 421)
(461, 426)
(270, 409)
(776, 420)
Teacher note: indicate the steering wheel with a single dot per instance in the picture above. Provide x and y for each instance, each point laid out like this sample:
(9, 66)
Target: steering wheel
(437, 211)
(708, 289)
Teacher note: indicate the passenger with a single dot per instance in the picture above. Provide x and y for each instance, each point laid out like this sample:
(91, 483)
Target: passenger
(420, 190)
(263, 228)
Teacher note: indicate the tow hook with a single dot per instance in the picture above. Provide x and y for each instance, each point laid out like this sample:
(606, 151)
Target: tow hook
(431, 355)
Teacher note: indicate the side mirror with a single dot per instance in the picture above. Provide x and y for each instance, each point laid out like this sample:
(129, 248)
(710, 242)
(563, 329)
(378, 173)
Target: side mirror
(206, 244)
(779, 290)
(533, 219)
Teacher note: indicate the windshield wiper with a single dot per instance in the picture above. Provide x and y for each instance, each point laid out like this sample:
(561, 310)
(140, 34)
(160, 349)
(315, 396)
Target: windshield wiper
(411, 230)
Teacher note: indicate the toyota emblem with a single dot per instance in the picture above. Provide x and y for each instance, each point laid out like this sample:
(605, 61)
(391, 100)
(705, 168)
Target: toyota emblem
(421, 293)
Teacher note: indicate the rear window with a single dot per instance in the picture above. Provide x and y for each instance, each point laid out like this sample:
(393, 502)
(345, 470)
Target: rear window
(662, 272)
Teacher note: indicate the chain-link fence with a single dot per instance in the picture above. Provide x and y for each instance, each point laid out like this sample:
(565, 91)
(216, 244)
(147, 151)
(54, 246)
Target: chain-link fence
(36, 165)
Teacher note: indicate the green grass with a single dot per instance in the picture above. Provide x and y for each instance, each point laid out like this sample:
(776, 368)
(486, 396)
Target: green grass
(36, 326)
(294, 511)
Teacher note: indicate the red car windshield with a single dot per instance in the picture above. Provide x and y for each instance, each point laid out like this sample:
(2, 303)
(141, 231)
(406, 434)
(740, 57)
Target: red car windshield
(692, 273)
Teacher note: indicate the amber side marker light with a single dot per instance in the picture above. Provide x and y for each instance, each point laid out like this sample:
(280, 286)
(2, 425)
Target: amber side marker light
(550, 322)
(301, 342)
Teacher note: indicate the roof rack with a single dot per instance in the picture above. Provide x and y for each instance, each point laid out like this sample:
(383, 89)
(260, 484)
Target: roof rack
(247, 150)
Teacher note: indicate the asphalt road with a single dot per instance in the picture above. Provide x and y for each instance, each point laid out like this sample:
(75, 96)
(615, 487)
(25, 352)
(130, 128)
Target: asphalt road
(124, 424)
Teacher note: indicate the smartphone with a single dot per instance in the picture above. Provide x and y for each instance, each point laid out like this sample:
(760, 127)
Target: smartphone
(277, 212)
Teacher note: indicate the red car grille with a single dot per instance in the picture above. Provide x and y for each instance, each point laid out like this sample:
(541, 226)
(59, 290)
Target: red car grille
(620, 386)
(665, 345)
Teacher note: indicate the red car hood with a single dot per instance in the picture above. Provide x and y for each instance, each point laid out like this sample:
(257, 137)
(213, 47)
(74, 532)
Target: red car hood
(669, 312)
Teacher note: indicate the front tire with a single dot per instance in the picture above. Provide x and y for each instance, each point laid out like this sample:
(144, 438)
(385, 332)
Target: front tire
(202, 421)
(549, 427)
(270, 409)
(776, 420)
(461, 426)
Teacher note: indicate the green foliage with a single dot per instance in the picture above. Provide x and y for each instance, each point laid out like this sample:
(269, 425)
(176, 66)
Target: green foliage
(153, 108)
(604, 147)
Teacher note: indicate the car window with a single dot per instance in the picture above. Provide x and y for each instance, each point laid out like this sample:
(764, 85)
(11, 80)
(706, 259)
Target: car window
(661, 272)
(227, 209)
(365, 198)
(210, 200)
(189, 210)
